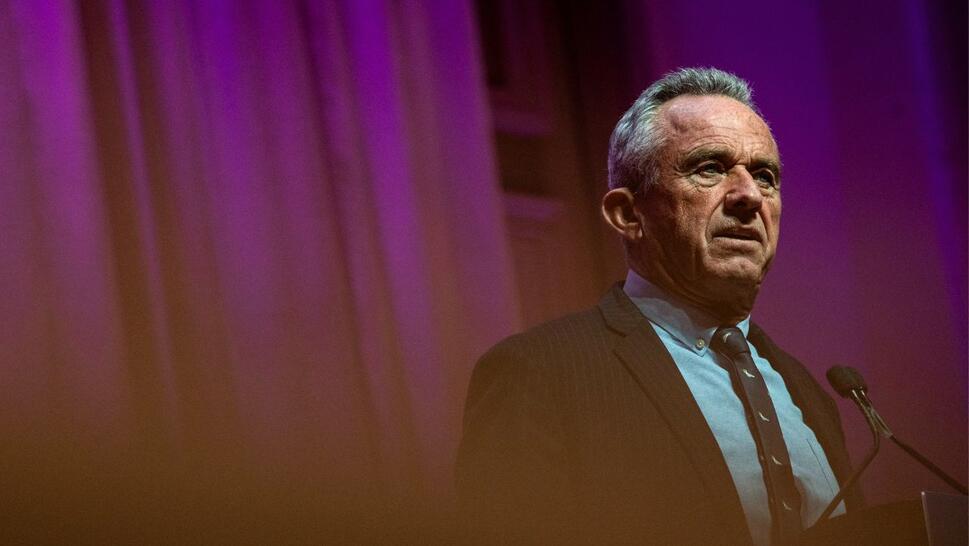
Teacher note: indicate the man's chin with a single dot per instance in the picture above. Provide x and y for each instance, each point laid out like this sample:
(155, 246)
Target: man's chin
(734, 289)
(739, 271)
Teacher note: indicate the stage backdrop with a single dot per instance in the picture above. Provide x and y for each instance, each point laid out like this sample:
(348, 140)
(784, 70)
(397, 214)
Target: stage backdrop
(250, 252)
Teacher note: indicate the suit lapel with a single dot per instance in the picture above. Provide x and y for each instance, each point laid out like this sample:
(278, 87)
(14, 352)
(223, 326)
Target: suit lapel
(646, 358)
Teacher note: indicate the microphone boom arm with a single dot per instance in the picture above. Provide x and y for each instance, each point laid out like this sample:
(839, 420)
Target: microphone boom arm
(878, 429)
(930, 465)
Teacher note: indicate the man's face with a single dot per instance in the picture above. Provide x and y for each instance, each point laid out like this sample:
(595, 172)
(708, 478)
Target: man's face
(711, 222)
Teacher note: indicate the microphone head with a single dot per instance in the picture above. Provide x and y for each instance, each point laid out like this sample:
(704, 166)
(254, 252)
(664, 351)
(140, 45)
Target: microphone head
(844, 379)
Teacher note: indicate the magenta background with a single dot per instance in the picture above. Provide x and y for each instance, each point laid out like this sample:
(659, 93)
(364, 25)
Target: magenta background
(276, 237)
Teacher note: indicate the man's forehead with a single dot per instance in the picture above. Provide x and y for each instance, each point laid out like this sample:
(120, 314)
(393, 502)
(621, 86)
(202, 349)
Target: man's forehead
(693, 112)
(714, 120)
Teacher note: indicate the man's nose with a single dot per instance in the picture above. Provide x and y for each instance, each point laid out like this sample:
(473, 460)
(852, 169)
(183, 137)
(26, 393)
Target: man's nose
(743, 193)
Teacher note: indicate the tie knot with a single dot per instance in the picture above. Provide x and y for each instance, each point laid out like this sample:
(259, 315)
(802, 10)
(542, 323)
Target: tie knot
(729, 341)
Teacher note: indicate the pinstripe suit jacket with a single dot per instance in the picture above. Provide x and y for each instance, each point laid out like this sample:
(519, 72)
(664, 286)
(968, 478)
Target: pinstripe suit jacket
(583, 430)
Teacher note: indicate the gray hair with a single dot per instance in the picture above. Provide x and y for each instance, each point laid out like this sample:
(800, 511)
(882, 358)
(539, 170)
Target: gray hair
(636, 139)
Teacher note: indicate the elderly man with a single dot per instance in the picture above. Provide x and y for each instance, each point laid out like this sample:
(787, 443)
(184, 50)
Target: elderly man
(663, 415)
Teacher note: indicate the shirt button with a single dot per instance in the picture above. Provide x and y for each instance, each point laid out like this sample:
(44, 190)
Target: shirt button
(700, 343)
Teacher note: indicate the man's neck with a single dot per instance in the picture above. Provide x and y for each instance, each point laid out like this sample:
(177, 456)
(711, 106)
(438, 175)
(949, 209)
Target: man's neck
(727, 311)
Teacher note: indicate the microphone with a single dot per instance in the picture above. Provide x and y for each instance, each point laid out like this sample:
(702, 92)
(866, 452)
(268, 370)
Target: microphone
(848, 383)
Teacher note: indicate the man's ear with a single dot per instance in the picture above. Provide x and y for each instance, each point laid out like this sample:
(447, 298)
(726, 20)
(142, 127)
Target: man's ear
(618, 209)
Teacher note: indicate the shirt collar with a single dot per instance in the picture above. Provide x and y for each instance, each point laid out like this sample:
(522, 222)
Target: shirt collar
(690, 326)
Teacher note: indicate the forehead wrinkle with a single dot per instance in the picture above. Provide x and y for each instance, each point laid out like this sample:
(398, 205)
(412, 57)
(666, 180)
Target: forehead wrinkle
(704, 132)
(705, 150)
(726, 149)
(737, 129)
(681, 115)
(716, 106)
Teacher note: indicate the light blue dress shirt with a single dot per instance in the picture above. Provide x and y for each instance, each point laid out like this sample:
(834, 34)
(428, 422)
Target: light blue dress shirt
(686, 333)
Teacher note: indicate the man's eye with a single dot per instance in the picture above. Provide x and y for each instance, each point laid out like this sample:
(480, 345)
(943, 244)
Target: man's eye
(710, 168)
(766, 179)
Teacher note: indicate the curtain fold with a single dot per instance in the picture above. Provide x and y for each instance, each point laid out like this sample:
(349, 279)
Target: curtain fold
(247, 246)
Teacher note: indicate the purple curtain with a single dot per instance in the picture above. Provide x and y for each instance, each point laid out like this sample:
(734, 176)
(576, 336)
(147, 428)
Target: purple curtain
(250, 251)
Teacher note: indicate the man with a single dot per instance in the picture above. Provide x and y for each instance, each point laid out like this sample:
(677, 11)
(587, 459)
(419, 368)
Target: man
(661, 416)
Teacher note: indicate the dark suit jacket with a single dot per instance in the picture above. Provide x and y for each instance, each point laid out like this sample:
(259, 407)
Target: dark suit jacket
(583, 430)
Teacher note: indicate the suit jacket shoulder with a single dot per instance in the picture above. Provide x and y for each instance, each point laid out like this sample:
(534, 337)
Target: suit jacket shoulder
(585, 425)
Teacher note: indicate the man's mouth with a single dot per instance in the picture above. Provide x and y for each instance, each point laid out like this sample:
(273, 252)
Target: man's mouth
(741, 234)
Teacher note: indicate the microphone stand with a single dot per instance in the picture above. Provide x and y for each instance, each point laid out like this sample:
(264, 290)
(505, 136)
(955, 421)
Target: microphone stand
(879, 429)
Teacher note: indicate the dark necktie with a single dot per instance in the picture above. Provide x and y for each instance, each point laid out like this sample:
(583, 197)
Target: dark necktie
(782, 494)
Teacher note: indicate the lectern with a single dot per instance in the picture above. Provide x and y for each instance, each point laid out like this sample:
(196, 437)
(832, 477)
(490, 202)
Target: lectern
(935, 519)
